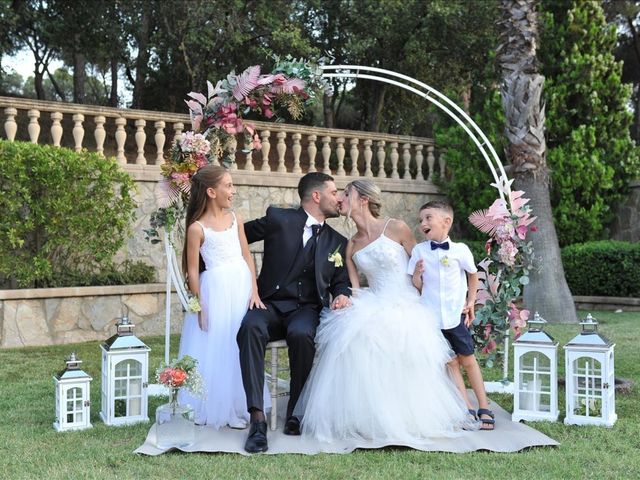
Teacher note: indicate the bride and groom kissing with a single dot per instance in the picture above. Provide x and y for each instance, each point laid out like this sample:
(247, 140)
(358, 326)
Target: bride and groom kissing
(371, 365)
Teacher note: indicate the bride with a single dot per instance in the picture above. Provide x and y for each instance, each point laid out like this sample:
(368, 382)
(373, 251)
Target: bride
(379, 374)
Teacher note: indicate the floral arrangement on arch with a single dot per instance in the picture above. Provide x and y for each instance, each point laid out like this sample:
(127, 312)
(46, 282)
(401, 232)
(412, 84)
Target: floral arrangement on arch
(506, 269)
(216, 119)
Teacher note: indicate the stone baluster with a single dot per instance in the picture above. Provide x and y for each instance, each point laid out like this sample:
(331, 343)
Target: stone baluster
(312, 150)
(353, 154)
(99, 133)
(443, 163)
(394, 160)
(281, 148)
(10, 125)
(178, 127)
(406, 160)
(419, 161)
(368, 155)
(159, 138)
(140, 138)
(340, 156)
(248, 154)
(431, 161)
(381, 156)
(297, 150)
(78, 131)
(266, 147)
(56, 128)
(121, 137)
(34, 126)
(326, 154)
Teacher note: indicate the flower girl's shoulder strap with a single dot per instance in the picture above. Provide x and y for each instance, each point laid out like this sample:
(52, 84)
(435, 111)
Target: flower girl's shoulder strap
(201, 226)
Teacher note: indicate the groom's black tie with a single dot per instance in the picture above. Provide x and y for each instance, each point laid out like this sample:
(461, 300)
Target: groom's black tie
(315, 229)
(436, 245)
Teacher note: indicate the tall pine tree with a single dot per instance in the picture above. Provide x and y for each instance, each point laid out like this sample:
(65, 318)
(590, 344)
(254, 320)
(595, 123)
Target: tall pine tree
(590, 152)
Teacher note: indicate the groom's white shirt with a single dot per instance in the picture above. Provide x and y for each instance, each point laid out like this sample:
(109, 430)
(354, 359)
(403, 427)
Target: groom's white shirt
(307, 232)
(444, 279)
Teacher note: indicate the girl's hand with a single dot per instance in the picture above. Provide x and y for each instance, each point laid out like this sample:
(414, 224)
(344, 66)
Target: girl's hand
(203, 322)
(255, 302)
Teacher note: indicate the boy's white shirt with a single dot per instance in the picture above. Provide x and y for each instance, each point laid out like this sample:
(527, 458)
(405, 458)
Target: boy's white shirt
(444, 282)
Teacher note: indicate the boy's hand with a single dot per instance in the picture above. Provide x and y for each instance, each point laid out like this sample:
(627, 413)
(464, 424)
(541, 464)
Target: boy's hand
(469, 313)
(419, 268)
(416, 278)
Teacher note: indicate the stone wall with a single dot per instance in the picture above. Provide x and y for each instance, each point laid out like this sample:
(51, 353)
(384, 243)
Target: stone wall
(66, 315)
(51, 316)
(255, 192)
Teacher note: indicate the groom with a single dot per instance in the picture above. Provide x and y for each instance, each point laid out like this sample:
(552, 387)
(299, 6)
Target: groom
(302, 272)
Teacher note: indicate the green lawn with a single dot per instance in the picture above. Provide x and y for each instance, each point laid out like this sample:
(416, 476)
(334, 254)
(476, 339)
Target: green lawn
(30, 448)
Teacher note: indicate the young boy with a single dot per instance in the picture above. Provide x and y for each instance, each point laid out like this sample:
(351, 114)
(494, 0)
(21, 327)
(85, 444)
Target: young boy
(440, 269)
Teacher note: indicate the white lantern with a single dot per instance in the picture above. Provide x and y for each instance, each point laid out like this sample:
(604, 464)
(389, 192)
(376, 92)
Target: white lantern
(73, 404)
(535, 374)
(590, 378)
(125, 375)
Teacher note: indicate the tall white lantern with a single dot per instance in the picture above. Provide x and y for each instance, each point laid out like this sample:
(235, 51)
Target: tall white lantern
(535, 374)
(590, 378)
(73, 404)
(125, 376)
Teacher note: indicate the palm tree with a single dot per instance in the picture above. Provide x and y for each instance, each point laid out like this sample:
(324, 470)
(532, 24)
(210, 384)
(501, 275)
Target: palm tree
(548, 292)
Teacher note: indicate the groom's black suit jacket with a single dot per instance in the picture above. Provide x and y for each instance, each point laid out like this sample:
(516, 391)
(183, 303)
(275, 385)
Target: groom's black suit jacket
(281, 229)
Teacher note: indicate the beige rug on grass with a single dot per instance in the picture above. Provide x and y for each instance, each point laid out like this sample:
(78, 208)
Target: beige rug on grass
(507, 436)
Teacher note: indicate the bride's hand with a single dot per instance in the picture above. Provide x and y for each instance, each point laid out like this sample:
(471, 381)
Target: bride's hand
(341, 301)
(255, 302)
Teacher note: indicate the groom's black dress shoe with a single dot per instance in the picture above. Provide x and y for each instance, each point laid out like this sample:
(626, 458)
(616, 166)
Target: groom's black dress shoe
(292, 426)
(257, 440)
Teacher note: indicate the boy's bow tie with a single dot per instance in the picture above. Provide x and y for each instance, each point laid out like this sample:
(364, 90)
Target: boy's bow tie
(443, 245)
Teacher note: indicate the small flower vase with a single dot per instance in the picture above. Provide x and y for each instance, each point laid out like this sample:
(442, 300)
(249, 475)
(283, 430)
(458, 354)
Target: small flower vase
(174, 423)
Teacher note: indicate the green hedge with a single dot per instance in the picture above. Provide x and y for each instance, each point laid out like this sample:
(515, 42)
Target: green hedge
(606, 268)
(64, 215)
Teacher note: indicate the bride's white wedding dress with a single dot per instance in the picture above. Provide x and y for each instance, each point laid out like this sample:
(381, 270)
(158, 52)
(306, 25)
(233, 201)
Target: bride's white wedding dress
(379, 374)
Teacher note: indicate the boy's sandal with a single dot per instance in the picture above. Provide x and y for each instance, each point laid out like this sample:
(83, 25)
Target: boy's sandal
(487, 423)
(472, 413)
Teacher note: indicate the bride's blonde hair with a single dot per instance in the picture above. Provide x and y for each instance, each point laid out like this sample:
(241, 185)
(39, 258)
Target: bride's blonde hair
(369, 190)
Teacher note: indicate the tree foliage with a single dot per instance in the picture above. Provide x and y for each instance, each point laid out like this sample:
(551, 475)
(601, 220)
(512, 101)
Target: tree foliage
(590, 151)
(64, 213)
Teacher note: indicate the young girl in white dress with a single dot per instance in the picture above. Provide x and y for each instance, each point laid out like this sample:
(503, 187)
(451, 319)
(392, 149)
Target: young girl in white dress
(379, 375)
(221, 273)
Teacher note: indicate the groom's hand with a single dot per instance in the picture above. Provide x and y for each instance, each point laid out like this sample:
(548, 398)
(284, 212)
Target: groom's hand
(341, 301)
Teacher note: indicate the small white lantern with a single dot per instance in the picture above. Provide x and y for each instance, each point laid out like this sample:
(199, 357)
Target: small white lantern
(73, 404)
(535, 374)
(590, 378)
(125, 376)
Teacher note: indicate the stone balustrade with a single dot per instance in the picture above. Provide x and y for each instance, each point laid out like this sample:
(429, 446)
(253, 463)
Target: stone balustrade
(141, 138)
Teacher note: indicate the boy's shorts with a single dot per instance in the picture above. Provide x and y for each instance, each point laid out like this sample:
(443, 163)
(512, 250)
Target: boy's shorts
(460, 339)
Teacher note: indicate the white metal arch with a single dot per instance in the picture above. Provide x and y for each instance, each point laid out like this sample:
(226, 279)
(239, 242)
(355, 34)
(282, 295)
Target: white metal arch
(174, 275)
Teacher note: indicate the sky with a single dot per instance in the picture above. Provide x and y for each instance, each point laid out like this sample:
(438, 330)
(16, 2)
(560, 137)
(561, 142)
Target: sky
(23, 63)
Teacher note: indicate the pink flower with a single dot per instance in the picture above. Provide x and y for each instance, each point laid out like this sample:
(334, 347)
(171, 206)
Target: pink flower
(256, 144)
(521, 230)
(489, 347)
(487, 246)
(507, 253)
(534, 228)
(267, 113)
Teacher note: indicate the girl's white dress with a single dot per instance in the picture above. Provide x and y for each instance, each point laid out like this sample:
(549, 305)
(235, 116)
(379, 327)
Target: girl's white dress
(379, 374)
(225, 290)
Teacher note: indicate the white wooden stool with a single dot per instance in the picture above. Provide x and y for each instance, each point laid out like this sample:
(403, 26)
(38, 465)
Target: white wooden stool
(273, 381)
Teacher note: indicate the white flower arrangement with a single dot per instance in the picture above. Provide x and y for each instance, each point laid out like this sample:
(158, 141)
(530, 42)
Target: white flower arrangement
(193, 304)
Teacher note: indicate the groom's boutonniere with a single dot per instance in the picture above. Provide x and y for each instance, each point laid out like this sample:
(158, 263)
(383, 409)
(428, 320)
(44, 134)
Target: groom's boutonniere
(336, 258)
(445, 261)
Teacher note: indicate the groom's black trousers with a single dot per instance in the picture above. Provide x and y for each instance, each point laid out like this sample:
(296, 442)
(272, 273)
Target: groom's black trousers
(261, 326)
